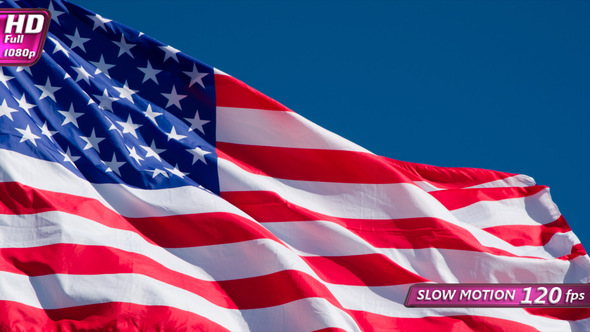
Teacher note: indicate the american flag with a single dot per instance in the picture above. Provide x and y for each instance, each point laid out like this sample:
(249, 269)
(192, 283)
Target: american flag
(144, 190)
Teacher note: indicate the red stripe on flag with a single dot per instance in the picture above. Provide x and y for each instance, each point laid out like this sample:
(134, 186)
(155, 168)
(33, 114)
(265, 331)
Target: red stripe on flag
(577, 250)
(449, 177)
(268, 206)
(112, 316)
(454, 199)
(362, 270)
(275, 289)
(311, 164)
(572, 314)
(344, 166)
(231, 92)
(204, 229)
(374, 322)
(529, 235)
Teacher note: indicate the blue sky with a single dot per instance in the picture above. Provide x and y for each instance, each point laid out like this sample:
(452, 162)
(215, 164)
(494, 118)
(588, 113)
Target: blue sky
(501, 85)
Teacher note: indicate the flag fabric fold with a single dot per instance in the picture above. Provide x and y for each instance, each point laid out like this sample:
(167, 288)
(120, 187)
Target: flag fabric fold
(141, 189)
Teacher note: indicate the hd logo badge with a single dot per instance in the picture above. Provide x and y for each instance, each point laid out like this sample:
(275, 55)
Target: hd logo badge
(23, 35)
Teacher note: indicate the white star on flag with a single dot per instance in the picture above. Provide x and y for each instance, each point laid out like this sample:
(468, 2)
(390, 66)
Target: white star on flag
(133, 154)
(157, 171)
(195, 76)
(99, 21)
(114, 165)
(6, 110)
(68, 157)
(4, 78)
(125, 92)
(197, 123)
(92, 141)
(82, 74)
(25, 68)
(169, 52)
(124, 47)
(28, 135)
(176, 171)
(150, 114)
(46, 132)
(106, 101)
(173, 98)
(47, 90)
(198, 154)
(77, 41)
(149, 73)
(59, 47)
(129, 127)
(54, 12)
(22, 103)
(152, 151)
(102, 66)
(71, 116)
(174, 135)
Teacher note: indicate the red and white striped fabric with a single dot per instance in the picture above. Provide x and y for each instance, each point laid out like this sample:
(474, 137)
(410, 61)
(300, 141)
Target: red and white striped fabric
(368, 227)
(309, 231)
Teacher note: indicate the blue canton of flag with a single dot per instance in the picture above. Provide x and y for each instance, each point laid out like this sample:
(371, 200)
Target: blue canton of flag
(110, 103)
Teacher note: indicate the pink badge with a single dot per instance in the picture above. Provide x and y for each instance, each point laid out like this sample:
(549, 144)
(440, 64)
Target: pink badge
(23, 35)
